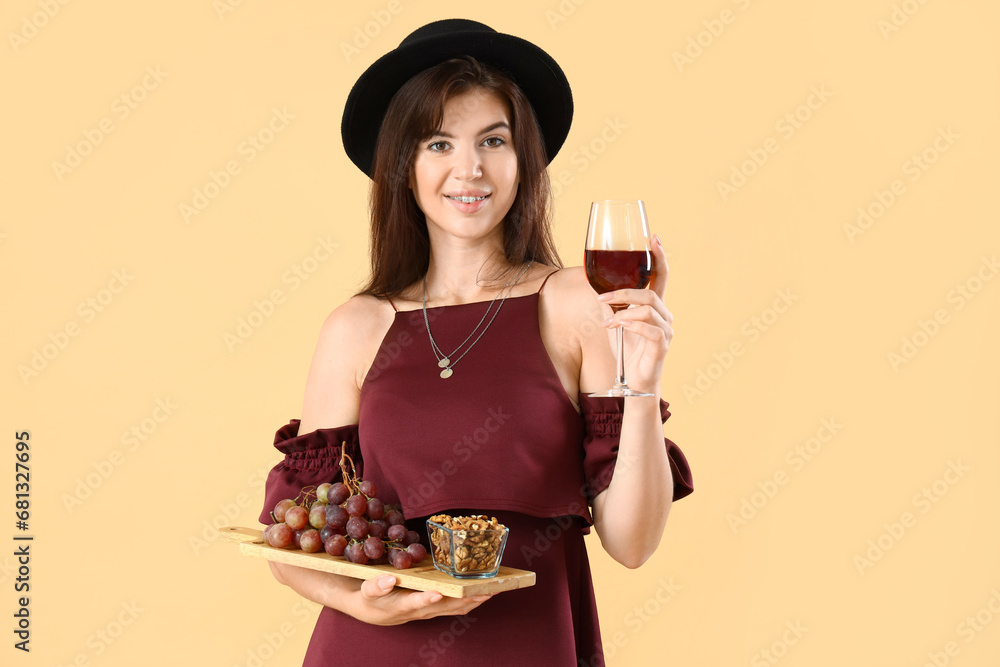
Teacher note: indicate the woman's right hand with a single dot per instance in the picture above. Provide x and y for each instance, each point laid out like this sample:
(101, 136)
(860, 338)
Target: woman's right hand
(379, 602)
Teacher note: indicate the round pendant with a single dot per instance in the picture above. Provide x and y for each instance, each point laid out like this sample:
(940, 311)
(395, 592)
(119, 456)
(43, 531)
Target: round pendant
(444, 363)
(446, 373)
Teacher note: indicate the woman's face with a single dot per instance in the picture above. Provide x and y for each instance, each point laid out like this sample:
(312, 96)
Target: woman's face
(464, 177)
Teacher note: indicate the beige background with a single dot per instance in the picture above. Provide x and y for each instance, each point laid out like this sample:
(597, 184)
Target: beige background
(126, 568)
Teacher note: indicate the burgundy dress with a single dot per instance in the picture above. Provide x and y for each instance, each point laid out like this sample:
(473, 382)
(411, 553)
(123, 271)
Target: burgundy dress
(499, 437)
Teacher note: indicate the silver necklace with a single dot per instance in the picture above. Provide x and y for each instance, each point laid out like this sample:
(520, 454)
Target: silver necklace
(438, 352)
(444, 360)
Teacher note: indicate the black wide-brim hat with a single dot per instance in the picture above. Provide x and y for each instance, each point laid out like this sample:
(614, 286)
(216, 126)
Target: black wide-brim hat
(534, 71)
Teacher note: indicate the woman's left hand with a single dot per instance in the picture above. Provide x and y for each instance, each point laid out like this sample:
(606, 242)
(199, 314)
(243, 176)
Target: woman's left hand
(650, 322)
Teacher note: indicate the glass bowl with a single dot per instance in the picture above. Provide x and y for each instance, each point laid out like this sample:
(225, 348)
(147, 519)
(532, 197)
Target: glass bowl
(467, 553)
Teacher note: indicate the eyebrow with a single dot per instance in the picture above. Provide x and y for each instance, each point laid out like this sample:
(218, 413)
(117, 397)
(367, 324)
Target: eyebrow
(492, 127)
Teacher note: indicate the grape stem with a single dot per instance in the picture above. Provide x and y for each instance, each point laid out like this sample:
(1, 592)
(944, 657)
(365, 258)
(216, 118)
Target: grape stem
(347, 470)
(309, 492)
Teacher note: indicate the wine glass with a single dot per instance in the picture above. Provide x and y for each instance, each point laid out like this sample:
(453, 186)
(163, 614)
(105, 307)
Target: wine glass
(617, 256)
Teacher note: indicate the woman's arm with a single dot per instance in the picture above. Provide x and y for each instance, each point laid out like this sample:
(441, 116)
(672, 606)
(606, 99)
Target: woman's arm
(630, 514)
(348, 343)
(349, 337)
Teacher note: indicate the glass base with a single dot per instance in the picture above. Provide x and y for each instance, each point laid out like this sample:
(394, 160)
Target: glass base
(616, 392)
(467, 575)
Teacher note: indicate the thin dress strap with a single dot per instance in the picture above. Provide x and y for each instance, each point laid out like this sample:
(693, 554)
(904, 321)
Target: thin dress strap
(546, 280)
(392, 304)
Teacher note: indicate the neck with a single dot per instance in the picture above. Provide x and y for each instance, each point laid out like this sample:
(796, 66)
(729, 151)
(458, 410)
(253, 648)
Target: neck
(464, 274)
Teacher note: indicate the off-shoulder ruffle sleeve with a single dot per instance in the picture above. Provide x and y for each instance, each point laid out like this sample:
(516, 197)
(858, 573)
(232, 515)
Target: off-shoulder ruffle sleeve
(603, 423)
(312, 458)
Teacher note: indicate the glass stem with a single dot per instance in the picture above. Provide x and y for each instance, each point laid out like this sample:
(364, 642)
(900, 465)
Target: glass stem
(620, 379)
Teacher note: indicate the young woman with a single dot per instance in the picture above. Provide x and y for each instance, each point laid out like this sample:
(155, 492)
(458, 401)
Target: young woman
(460, 373)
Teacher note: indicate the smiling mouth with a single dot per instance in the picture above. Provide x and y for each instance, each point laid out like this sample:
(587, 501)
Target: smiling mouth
(467, 200)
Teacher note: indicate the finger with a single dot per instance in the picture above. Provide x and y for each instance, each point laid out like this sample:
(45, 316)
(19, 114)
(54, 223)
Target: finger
(420, 604)
(461, 605)
(646, 306)
(378, 587)
(469, 604)
(661, 270)
(426, 603)
(636, 312)
(452, 606)
(630, 296)
(649, 331)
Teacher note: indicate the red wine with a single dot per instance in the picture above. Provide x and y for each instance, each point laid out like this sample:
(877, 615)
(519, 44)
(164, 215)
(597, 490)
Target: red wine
(609, 270)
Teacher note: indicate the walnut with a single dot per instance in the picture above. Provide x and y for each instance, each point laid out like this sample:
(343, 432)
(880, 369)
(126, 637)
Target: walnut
(476, 549)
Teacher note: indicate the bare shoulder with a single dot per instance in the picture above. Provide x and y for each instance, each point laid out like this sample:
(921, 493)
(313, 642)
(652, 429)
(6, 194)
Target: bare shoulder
(569, 278)
(355, 319)
(571, 312)
(348, 341)
(570, 318)
(569, 293)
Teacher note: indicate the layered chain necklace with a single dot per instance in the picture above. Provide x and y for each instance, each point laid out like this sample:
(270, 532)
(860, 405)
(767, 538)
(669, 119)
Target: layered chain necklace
(444, 360)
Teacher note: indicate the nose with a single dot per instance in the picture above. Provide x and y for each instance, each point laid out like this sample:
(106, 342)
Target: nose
(468, 163)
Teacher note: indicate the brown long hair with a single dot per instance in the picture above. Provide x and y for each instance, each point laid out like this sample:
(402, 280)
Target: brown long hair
(400, 246)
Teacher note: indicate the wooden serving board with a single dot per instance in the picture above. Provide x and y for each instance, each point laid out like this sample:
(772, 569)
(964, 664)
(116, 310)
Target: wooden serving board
(420, 577)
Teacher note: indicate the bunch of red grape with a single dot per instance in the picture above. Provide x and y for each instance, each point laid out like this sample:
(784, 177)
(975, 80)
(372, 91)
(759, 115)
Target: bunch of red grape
(345, 519)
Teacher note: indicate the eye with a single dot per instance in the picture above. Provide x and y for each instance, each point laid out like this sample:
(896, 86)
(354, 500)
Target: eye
(437, 146)
(495, 142)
